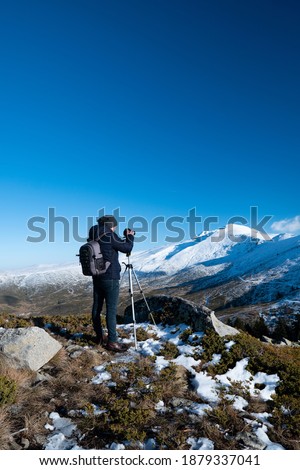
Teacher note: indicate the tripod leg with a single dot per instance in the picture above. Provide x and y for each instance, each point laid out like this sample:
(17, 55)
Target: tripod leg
(141, 291)
(132, 306)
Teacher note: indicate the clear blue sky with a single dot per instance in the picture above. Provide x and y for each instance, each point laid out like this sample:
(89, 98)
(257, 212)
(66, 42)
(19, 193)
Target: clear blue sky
(154, 107)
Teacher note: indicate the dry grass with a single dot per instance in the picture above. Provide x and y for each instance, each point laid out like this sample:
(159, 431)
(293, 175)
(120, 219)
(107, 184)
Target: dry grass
(71, 386)
(34, 425)
(280, 435)
(22, 377)
(211, 431)
(172, 431)
(59, 361)
(172, 382)
(5, 427)
(63, 384)
(255, 405)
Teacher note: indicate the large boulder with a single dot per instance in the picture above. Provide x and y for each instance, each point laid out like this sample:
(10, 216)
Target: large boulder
(175, 310)
(29, 348)
(171, 310)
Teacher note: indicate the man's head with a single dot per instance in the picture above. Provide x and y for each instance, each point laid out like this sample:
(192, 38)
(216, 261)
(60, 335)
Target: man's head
(108, 221)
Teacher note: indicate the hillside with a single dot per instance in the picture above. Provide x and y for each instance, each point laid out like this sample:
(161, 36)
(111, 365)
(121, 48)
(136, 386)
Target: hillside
(181, 389)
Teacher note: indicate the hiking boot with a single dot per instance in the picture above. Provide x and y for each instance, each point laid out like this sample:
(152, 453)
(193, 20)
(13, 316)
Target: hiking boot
(116, 347)
(101, 340)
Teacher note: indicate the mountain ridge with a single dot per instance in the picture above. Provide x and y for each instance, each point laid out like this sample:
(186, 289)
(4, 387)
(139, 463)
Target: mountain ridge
(241, 270)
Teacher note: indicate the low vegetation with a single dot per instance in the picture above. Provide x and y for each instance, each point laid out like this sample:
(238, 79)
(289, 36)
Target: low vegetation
(143, 403)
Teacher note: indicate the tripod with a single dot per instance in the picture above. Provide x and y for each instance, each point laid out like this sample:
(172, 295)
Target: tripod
(131, 271)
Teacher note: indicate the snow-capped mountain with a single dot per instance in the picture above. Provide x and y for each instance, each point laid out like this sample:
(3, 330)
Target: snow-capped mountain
(232, 267)
(196, 252)
(231, 270)
(226, 254)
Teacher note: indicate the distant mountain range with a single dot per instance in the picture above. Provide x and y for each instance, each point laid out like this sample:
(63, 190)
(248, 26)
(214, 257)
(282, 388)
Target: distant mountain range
(231, 270)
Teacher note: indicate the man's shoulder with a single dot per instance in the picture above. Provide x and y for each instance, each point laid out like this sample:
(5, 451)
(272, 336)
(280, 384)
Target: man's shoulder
(94, 233)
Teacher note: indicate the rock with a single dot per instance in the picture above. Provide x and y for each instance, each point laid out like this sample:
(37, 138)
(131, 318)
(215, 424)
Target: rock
(287, 342)
(74, 350)
(284, 342)
(175, 310)
(28, 348)
(13, 445)
(250, 441)
(221, 328)
(171, 310)
(176, 402)
(266, 339)
(25, 443)
(41, 377)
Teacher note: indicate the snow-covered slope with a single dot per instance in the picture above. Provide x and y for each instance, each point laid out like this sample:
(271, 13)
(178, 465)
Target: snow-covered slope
(233, 247)
(45, 289)
(37, 277)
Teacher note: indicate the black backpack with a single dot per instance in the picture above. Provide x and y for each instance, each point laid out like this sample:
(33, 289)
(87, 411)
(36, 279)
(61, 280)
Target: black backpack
(91, 259)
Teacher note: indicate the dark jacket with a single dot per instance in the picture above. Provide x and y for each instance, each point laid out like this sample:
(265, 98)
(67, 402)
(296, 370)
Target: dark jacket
(111, 244)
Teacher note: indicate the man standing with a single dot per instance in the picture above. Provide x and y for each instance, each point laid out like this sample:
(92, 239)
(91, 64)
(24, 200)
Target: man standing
(106, 286)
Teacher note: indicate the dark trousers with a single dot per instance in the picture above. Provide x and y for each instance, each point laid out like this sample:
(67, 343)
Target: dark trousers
(108, 290)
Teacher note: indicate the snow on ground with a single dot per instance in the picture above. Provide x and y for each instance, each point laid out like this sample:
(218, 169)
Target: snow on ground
(63, 435)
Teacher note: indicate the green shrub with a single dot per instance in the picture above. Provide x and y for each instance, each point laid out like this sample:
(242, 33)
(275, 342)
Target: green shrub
(169, 351)
(8, 389)
(184, 336)
(11, 321)
(286, 416)
(128, 419)
(212, 344)
(141, 334)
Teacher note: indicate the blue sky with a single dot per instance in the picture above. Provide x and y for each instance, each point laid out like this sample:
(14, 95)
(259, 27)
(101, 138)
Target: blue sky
(153, 107)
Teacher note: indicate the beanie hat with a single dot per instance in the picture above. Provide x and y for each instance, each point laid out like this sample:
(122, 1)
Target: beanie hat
(108, 220)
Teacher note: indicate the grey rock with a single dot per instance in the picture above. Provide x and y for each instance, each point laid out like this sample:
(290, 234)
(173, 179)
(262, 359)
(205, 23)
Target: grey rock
(177, 402)
(41, 378)
(266, 339)
(28, 348)
(76, 354)
(25, 443)
(74, 350)
(221, 328)
(250, 441)
(287, 342)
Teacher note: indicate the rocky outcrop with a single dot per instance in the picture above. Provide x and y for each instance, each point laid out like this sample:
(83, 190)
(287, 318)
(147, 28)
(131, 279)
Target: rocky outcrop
(221, 328)
(171, 309)
(28, 348)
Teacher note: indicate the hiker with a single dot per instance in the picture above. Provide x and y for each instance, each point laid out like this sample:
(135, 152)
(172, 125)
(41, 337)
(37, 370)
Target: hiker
(106, 286)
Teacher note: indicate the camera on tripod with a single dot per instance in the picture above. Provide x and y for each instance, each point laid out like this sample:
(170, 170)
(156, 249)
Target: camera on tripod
(128, 231)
